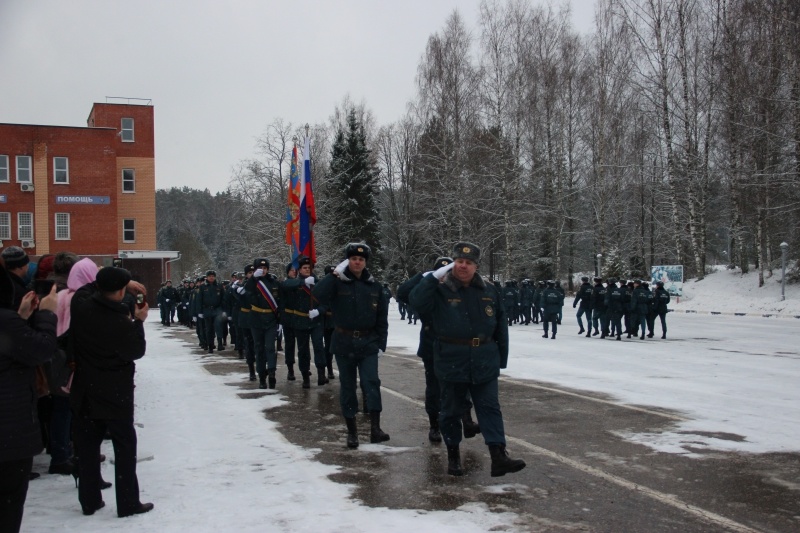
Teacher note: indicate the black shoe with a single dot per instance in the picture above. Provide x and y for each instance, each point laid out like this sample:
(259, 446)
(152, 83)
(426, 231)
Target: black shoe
(290, 374)
(33, 475)
(619, 338)
(454, 461)
(502, 464)
(262, 382)
(88, 511)
(434, 435)
(64, 469)
(595, 333)
(650, 335)
(554, 336)
(603, 335)
(321, 379)
(141, 508)
(629, 335)
(352, 433)
(252, 377)
(331, 375)
(544, 336)
(471, 428)
(376, 434)
(664, 336)
(642, 337)
(271, 378)
(306, 381)
(581, 331)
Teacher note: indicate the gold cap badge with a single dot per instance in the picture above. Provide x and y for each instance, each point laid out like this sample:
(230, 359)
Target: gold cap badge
(466, 250)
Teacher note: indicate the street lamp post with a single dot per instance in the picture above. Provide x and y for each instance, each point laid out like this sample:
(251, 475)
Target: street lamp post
(784, 251)
(599, 265)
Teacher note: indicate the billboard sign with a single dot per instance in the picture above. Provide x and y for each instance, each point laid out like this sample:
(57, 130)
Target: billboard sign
(671, 275)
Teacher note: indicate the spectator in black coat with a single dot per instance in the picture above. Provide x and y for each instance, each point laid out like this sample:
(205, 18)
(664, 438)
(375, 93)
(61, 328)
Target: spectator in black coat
(107, 340)
(23, 345)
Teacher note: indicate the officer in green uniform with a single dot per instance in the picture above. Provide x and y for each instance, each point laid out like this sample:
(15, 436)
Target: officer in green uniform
(551, 303)
(640, 306)
(302, 312)
(360, 315)
(209, 305)
(471, 347)
(583, 296)
(200, 325)
(660, 301)
(615, 306)
(242, 319)
(263, 292)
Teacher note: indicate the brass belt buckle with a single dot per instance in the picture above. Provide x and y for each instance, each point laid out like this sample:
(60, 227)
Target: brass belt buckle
(356, 334)
(476, 341)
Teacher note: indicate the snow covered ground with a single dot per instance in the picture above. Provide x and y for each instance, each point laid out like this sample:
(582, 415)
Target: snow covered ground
(211, 462)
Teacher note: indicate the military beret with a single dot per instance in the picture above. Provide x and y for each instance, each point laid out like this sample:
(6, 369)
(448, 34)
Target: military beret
(15, 257)
(211, 273)
(112, 279)
(467, 250)
(261, 262)
(442, 262)
(357, 248)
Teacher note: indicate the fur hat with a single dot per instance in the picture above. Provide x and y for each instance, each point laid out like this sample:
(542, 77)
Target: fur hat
(442, 262)
(112, 279)
(467, 250)
(303, 260)
(15, 257)
(211, 273)
(289, 267)
(249, 268)
(357, 248)
(261, 262)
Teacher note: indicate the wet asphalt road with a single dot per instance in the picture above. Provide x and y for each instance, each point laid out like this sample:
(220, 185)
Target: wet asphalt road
(580, 475)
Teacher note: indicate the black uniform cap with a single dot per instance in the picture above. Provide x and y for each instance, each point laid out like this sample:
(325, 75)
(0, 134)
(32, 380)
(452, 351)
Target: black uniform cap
(261, 262)
(303, 260)
(659, 283)
(249, 268)
(467, 250)
(550, 282)
(329, 269)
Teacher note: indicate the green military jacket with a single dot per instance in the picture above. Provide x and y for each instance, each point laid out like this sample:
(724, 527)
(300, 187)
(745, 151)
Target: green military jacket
(262, 315)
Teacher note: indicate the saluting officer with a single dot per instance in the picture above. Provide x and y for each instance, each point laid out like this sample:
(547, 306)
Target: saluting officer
(360, 313)
(263, 292)
(471, 347)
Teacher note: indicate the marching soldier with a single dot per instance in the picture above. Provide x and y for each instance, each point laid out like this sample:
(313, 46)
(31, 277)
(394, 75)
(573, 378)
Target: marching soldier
(661, 299)
(360, 312)
(245, 345)
(615, 305)
(263, 291)
(526, 300)
(584, 296)
(551, 303)
(599, 315)
(209, 305)
(470, 349)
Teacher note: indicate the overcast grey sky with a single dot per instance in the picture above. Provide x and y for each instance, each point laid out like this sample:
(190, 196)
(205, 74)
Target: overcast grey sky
(218, 72)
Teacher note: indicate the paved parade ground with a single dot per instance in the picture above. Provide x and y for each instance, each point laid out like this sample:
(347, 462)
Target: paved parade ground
(699, 432)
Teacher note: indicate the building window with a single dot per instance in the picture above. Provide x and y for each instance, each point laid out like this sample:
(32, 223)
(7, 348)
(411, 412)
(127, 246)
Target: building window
(62, 226)
(60, 170)
(128, 230)
(5, 226)
(128, 180)
(25, 226)
(24, 169)
(126, 131)
(3, 169)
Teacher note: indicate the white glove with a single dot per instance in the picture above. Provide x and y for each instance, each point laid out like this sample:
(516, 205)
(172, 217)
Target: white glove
(167, 299)
(240, 290)
(230, 319)
(313, 314)
(339, 270)
(259, 273)
(442, 272)
(280, 328)
(310, 281)
(200, 315)
(426, 273)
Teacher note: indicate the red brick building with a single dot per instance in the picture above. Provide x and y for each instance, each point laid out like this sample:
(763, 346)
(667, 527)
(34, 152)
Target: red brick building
(86, 190)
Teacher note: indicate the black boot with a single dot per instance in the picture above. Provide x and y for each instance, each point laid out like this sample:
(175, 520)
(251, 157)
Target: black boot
(306, 380)
(595, 333)
(376, 434)
(581, 331)
(241, 354)
(554, 335)
(271, 377)
(262, 381)
(454, 461)
(290, 375)
(352, 433)
(434, 435)
(619, 337)
(502, 464)
(471, 428)
(252, 368)
(330, 371)
(321, 379)
(663, 335)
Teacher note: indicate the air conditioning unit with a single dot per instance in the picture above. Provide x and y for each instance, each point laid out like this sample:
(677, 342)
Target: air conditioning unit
(26, 187)
(28, 244)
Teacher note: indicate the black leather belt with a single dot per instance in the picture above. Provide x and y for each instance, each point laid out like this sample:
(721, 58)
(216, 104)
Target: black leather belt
(355, 333)
(474, 342)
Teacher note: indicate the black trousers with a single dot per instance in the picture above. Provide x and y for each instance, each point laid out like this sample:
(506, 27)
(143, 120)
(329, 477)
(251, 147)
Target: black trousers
(14, 477)
(88, 435)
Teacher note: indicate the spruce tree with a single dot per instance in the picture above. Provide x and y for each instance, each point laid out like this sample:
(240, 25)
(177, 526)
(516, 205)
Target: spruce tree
(353, 191)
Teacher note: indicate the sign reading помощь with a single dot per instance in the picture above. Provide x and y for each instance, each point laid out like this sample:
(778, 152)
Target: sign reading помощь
(87, 200)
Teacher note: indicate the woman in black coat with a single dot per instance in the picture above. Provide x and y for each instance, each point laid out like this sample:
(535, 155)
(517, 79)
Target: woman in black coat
(24, 344)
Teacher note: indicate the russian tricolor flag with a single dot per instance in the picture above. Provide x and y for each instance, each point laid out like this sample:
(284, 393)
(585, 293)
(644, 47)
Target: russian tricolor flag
(308, 211)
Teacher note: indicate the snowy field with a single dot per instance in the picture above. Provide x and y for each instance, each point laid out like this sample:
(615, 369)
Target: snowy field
(211, 462)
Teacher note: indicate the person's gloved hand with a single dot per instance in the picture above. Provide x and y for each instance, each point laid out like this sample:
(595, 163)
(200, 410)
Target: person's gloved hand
(167, 300)
(310, 281)
(240, 290)
(339, 270)
(230, 319)
(312, 314)
(441, 272)
(259, 273)
(200, 315)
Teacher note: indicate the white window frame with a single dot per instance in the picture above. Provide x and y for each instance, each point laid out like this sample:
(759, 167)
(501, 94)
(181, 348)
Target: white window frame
(63, 225)
(5, 226)
(29, 168)
(26, 236)
(132, 181)
(4, 177)
(126, 134)
(124, 230)
(65, 170)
